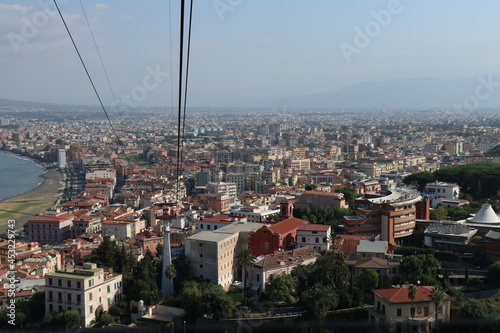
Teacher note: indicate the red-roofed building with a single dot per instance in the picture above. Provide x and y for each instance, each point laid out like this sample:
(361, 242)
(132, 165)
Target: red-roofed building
(277, 237)
(393, 309)
(50, 228)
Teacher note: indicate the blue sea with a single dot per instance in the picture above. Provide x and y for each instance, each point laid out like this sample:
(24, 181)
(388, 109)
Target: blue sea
(18, 175)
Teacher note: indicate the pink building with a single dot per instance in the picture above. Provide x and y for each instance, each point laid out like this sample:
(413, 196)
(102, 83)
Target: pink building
(50, 228)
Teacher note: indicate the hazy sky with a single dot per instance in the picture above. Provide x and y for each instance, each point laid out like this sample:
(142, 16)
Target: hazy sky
(244, 52)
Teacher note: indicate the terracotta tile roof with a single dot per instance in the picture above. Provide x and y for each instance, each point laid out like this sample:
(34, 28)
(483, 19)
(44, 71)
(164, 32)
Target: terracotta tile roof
(335, 194)
(395, 295)
(297, 257)
(52, 218)
(314, 227)
(373, 263)
(348, 245)
(287, 225)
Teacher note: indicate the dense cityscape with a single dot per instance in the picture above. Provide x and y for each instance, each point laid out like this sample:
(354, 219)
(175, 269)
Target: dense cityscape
(311, 219)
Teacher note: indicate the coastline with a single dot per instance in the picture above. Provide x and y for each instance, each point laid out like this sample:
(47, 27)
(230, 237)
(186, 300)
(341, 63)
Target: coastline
(25, 206)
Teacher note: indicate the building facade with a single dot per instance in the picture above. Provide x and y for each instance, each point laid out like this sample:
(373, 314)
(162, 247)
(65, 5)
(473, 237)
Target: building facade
(83, 289)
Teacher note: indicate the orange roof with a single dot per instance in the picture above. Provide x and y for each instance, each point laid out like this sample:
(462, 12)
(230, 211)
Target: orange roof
(335, 194)
(287, 225)
(394, 295)
(314, 227)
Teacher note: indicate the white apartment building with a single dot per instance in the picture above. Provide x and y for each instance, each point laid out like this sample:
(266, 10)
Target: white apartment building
(230, 189)
(82, 289)
(254, 213)
(441, 190)
(316, 236)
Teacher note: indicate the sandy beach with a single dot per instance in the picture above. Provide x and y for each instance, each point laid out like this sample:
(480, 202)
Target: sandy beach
(30, 204)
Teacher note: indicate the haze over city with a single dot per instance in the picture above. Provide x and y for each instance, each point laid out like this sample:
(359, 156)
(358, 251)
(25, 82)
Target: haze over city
(245, 53)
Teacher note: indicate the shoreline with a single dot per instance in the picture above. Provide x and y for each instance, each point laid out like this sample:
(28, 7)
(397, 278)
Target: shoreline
(27, 205)
(42, 179)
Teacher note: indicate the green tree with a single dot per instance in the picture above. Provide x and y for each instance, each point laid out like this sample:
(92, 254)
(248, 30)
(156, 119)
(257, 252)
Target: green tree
(310, 187)
(190, 299)
(106, 319)
(412, 268)
(281, 288)
(245, 259)
(437, 295)
(419, 179)
(320, 299)
(368, 280)
(494, 273)
(439, 213)
(412, 293)
(171, 273)
(217, 304)
(349, 195)
(159, 250)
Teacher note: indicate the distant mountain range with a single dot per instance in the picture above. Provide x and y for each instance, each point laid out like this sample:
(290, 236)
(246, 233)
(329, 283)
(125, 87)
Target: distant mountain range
(467, 94)
(407, 93)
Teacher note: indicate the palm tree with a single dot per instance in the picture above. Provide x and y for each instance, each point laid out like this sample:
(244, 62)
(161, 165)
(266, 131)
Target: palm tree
(321, 299)
(412, 293)
(437, 295)
(333, 238)
(245, 259)
(171, 273)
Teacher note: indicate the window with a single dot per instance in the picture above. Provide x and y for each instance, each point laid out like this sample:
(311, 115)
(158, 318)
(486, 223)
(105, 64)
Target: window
(50, 282)
(303, 239)
(69, 283)
(91, 283)
(265, 246)
(59, 297)
(215, 227)
(412, 312)
(201, 255)
(109, 288)
(201, 226)
(200, 244)
(317, 240)
(208, 226)
(78, 299)
(314, 232)
(419, 310)
(257, 277)
(91, 309)
(90, 296)
(50, 296)
(59, 283)
(201, 265)
(69, 298)
(51, 308)
(78, 284)
(399, 312)
(271, 276)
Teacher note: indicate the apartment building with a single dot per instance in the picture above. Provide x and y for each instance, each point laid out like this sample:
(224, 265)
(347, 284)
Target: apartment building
(212, 254)
(50, 228)
(392, 216)
(230, 189)
(315, 236)
(83, 289)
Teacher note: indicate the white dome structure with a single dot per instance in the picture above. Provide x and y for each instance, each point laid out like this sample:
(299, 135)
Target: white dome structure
(485, 215)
